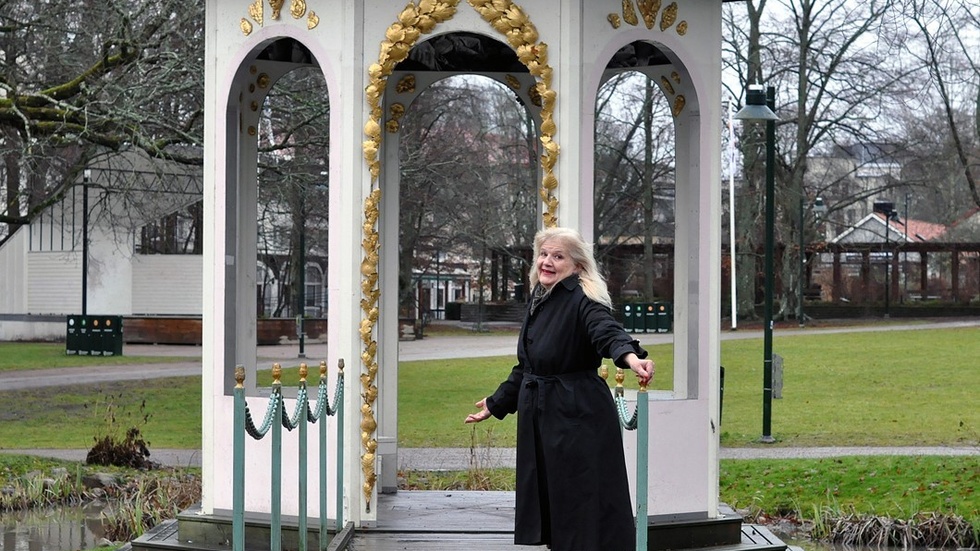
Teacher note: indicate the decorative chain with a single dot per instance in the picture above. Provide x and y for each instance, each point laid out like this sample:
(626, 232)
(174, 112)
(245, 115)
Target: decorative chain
(270, 412)
(277, 404)
(631, 422)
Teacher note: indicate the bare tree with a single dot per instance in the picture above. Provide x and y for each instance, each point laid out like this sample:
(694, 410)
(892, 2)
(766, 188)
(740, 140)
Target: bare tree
(634, 188)
(78, 79)
(946, 48)
(834, 66)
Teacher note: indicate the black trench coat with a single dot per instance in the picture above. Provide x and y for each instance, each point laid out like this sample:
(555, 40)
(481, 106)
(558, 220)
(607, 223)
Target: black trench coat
(572, 490)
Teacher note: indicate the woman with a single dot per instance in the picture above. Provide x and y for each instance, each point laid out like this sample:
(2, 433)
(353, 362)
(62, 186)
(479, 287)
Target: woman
(572, 490)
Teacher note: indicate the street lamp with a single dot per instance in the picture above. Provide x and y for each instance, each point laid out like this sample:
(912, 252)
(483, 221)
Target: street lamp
(759, 106)
(86, 176)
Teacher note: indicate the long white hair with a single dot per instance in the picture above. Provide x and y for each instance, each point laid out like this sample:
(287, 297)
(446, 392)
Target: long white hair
(580, 252)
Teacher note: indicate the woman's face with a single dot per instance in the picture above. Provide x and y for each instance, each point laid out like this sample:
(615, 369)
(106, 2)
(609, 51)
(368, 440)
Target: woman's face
(553, 263)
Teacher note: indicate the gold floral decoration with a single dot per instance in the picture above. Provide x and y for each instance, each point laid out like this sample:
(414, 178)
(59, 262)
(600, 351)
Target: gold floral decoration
(256, 11)
(276, 6)
(246, 26)
(678, 106)
(668, 17)
(312, 20)
(513, 81)
(406, 84)
(413, 21)
(667, 84)
(297, 8)
(509, 19)
(629, 14)
(649, 9)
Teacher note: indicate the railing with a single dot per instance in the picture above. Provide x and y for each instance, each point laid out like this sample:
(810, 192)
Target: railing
(275, 419)
(639, 422)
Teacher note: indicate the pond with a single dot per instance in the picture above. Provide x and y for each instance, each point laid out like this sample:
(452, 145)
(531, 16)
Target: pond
(52, 529)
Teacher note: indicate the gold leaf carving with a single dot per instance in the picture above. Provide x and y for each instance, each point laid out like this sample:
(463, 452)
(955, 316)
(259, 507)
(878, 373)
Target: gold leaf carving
(679, 103)
(666, 85)
(682, 28)
(392, 126)
(629, 14)
(297, 8)
(246, 26)
(276, 6)
(397, 110)
(405, 84)
(256, 11)
(513, 82)
(312, 20)
(613, 19)
(649, 9)
(675, 76)
(668, 17)
(535, 96)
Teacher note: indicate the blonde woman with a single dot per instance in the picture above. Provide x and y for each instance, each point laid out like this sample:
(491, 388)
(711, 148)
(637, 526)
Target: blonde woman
(572, 490)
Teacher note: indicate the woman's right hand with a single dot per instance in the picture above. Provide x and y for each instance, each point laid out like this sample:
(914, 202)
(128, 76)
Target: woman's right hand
(484, 413)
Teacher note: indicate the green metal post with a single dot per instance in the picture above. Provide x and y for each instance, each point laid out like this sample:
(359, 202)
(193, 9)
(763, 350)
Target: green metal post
(642, 467)
(301, 407)
(323, 467)
(339, 454)
(238, 468)
(275, 538)
(767, 312)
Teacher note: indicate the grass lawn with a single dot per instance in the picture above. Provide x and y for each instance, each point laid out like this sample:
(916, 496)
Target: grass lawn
(17, 356)
(912, 388)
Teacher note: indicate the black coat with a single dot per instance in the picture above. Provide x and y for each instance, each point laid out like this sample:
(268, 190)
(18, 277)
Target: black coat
(572, 490)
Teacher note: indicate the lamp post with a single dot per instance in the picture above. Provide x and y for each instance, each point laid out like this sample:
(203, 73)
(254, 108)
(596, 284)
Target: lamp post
(86, 176)
(759, 106)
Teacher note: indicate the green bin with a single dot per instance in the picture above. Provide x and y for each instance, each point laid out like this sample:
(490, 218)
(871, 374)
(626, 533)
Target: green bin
(95, 335)
(649, 317)
(73, 336)
(112, 335)
(629, 321)
(665, 317)
(84, 341)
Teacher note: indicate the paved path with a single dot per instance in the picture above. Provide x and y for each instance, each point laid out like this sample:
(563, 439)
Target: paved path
(439, 347)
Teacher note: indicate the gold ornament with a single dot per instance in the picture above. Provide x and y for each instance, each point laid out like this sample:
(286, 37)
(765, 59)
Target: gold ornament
(297, 8)
(312, 20)
(276, 6)
(256, 12)
(246, 26)
(679, 103)
(668, 87)
(405, 84)
(668, 17)
(682, 28)
(649, 9)
(614, 20)
(629, 14)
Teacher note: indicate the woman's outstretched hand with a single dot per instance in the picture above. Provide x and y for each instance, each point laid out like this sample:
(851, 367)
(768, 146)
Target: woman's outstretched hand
(484, 413)
(644, 369)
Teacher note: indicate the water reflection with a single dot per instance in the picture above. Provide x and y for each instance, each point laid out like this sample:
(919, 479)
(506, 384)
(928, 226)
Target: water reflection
(52, 529)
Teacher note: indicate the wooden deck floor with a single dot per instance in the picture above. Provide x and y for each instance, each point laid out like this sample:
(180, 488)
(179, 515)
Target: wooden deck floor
(437, 521)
